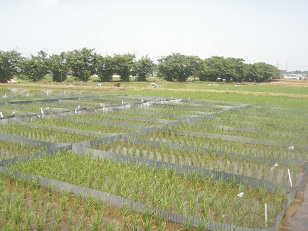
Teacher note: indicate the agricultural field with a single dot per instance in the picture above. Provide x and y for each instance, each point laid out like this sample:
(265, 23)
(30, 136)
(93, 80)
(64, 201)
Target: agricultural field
(179, 157)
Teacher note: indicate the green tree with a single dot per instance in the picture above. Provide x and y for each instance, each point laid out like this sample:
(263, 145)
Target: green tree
(123, 65)
(196, 65)
(58, 66)
(250, 73)
(9, 65)
(178, 67)
(35, 68)
(142, 68)
(105, 68)
(212, 69)
(260, 72)
(234, 68)
(82, 63)
(218, 67)
(267, 71)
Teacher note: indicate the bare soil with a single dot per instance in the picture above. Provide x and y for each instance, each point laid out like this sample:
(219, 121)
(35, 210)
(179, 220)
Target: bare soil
(296, 216)
(286, 82)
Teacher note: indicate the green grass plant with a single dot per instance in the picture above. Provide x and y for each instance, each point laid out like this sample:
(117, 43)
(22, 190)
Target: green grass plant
(26, 206)
(45, 134)
(9, 149)
(158, 188)
(235, 164)
(273, 113)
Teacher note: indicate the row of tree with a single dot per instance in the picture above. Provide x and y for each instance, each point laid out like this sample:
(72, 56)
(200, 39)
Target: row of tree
(84, 63)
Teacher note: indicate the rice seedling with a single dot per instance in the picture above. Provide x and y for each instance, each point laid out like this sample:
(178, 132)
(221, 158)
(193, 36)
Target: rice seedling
(39, 210)
(45, 134)
(194, 132)
(163, 181)
(201, 158)
(9, 149)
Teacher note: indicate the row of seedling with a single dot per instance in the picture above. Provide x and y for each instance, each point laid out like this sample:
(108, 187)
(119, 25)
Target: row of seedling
(151, 112)
(223, 130)
(287, 121)
(241, 149)
(47, 134)
(200, 106)
(98, 100)
(187, 194)
(9, 149)
(32, 108)
(203, 159)
(27, 206)
(253, 125)
(117, 116)
(269, 112)
(89, 125)
(177, 109)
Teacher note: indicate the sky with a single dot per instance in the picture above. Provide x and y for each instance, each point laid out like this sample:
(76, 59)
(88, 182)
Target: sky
(270, 31)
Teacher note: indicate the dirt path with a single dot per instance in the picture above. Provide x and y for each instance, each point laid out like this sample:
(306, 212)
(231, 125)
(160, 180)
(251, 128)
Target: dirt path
(298, 220)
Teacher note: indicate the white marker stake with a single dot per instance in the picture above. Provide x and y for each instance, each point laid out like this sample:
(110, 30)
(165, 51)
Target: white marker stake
(290, 178)
(265, 213)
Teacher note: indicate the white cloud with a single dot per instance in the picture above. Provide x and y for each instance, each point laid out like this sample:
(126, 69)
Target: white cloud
(46, 3)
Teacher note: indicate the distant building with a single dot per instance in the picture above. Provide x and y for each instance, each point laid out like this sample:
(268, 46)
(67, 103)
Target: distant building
(295, 76)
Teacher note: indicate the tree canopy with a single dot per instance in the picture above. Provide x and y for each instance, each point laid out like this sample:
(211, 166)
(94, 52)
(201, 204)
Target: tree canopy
(105, 68)
(58, 66)
(142, 68)
(35, 68)
(178, 67)
(123, 65)
(218, 67)
(260, 72)
(84, 63)
(9, 65)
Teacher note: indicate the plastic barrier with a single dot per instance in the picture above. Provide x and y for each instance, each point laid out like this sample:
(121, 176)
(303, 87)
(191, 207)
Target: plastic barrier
(227, 177)
(139, 207)
(238, 138)
(83, 147)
